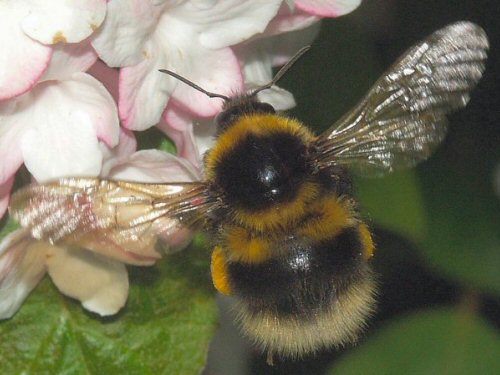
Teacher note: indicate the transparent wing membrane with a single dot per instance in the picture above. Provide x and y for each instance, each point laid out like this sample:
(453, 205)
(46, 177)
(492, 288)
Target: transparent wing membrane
(403, 117)
(99, 213)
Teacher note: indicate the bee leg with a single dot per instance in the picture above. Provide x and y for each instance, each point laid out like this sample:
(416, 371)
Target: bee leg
(219, 272)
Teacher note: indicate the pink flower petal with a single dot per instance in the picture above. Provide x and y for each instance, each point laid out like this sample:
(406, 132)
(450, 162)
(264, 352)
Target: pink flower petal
(226, 22)
(12, 127)
(144, 93)
(107, 76)
(216, 71)
(327, 8)
(99, 283)
(178, 126)
(128, 26)
(23, 60)
(68, 59)
(22, 265)
(68, 21)
(5, 188)
(70, 117)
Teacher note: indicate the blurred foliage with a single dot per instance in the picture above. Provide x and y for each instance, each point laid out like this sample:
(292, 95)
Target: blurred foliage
(443, 341)
(154, 138)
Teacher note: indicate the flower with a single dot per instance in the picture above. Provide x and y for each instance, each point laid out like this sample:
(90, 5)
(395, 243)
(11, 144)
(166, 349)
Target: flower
(190, 37)
(61, 99)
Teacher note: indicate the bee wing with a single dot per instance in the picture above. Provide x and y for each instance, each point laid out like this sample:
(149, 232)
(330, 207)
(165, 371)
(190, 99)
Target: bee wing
(106, 215)
(403, 117)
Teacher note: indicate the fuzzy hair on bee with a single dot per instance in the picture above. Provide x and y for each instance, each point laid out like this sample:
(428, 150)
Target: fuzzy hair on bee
(290, 245)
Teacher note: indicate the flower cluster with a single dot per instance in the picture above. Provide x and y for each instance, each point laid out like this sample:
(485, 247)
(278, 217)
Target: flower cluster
(79, 76)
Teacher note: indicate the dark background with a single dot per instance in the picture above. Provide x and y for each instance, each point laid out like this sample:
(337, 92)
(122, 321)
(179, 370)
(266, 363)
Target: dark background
(457, 185)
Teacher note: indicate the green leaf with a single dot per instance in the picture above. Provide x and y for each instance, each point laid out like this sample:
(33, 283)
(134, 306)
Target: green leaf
(433, 342)
(153, 138)
(164, 329)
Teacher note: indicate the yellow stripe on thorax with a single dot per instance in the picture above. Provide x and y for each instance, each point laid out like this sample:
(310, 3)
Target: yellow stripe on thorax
(256, 124)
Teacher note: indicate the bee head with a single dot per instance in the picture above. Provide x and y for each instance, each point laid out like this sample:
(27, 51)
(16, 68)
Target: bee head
(239, 106)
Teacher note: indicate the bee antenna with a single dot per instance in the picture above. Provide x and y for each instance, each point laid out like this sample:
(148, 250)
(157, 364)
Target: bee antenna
(194, 85)
(282, 71)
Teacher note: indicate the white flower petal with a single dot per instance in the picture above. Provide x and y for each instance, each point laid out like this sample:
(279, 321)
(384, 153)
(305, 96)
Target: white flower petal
(154, 166)
(259, 56)
(125, 147)
(67, 21)
(280, 99)
(204, 135)
(224, 23)
(68, 59)
(327, 8)
(22, 265)
(66, 119)
(101, 284)
(22, 60)
(258, 72)
(128, 26)
(62, 146)
(192, 137)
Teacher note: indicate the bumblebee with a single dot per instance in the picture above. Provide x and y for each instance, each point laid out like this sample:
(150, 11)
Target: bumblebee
(289, 243)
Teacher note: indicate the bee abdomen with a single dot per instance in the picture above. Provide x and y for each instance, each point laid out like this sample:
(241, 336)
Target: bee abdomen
(305, 278)
(310, 284)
